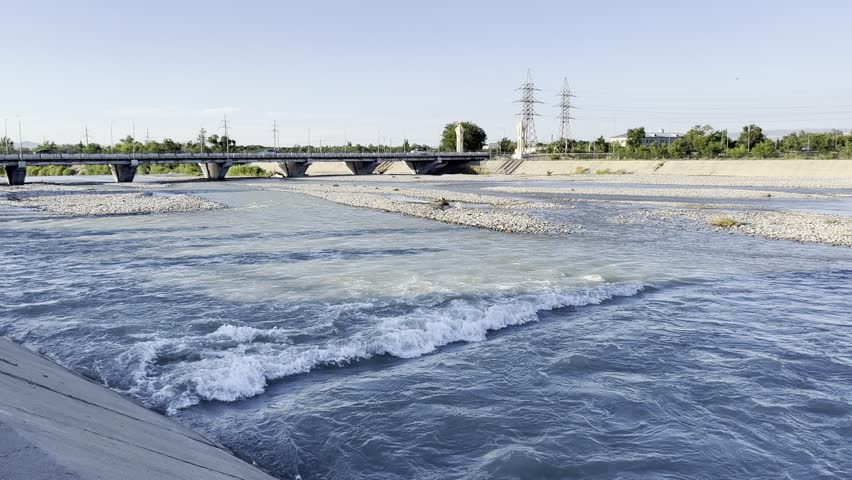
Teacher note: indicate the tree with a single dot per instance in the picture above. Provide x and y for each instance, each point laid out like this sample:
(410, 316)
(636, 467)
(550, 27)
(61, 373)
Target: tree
(170, 146)
(678, 149)
(751, 136)
(91, 148)
(635, 137)
(127, 144)
(46, 147)
(507, 145)
(764, 149)
(600, 145)
(473, 139)
(6, 145)
(219, 144)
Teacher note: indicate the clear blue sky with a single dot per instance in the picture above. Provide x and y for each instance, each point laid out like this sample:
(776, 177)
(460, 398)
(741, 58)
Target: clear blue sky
(355, 68)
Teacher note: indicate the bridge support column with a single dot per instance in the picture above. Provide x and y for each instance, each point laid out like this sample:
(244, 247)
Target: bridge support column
(214, 171)
(16, 175)
(362, 167)
(123, 173)
(423, 167)
(294, 169)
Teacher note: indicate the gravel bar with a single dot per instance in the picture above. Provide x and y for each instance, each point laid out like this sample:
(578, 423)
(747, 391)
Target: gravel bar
(774, 225)
(719, 193)
(80, 201)
(501, 219)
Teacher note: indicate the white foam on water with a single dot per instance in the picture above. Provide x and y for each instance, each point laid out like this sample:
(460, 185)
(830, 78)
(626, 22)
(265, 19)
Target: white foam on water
(244, 334)
(245, 371)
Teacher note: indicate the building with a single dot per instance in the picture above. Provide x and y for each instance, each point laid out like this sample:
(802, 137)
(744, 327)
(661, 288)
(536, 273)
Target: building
(660, 137)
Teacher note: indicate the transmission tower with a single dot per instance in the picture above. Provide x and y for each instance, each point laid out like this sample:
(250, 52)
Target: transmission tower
(227, 138)
(275, 132)
(565, 117)
(202, 138)
(528, 101)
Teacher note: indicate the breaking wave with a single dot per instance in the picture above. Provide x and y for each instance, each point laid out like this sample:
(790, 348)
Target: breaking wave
(237, 362)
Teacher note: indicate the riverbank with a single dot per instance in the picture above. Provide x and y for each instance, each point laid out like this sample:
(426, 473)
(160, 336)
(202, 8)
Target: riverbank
(57, 424)
(793, 168)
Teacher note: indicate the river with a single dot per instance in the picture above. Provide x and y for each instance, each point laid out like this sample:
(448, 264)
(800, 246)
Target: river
(329, 342)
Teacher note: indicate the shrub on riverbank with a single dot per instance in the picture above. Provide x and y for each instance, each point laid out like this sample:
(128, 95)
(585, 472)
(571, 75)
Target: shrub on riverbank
(50, 171)
(247, 171)
(95, 170)
(189, 169)
(724, 222)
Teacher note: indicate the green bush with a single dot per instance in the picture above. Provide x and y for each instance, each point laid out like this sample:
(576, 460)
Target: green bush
(95, 170)
(247, 171)
(50, 171)
(724, 222)
(190, 169)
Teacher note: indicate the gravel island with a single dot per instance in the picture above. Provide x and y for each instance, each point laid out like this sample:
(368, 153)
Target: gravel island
(95, 201)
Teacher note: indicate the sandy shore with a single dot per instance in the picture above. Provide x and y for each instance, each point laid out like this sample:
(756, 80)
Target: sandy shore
(98, 201)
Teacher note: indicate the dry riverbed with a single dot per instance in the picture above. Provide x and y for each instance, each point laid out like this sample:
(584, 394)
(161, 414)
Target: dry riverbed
(94, 201)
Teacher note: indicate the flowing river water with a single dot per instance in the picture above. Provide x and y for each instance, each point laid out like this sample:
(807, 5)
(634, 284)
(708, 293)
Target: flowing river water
(328, 342)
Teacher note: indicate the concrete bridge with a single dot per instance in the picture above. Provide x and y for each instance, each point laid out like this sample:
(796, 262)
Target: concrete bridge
(214, 166)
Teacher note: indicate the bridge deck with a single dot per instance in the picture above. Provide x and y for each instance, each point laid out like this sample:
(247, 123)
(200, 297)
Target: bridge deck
(41, 159)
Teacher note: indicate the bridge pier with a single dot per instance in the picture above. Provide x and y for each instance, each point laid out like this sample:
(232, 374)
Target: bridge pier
(294, 169)
(123, 173)
(422, 167)
(214, 170)
(362, 167)
(16, 175)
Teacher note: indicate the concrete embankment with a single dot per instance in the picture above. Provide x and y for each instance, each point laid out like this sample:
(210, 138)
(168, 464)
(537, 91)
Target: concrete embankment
(795, 168)
(747, 168)
(56, 424)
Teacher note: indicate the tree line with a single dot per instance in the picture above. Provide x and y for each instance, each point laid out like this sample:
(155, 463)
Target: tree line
(213, 143)
(703, 141)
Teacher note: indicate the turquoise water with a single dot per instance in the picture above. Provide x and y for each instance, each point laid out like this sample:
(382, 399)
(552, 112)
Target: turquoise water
(330, 342)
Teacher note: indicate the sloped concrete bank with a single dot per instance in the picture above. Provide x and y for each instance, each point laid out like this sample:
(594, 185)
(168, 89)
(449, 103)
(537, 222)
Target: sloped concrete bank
(794, 168)
(56, 424)
(747, 168)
